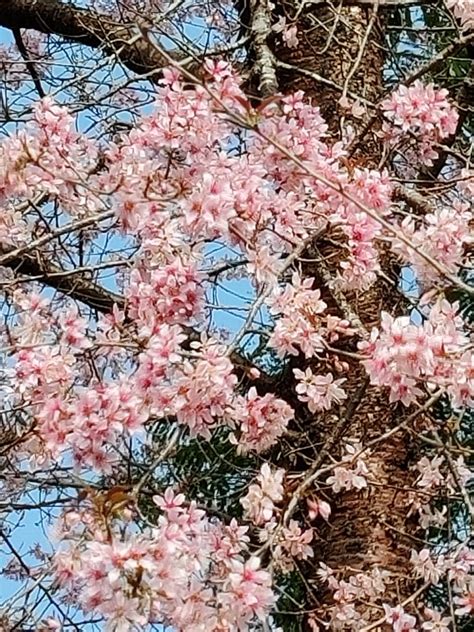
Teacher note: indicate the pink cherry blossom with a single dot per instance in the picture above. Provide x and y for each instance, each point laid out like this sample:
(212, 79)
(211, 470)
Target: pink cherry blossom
(435, 621)
(443, 235)
(422, 109)
(426, 567)
(260, 501)
(169, 294)
(320, 392)
(404, 356)
(290, 36)
(261, 420)
(463, 11)
(193, 184)
(169, 573)
(346, 478)
(293, 543)
(425, 113)
(465, 601)
(400, 620)
(318, 508)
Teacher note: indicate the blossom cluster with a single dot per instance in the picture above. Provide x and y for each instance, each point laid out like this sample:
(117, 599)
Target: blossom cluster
(434, 474)
(171, 294)
(189, 571)
(463, 11)
(352, 472)
(50, 158)
(260, 420)
(89, 418)
(352, 594)
(406, 357)
(262, 497)
(288, 542)
(292, 543)
(171, 179)
(319, 392)
(302, 324)
(418, 116)
(442, 235)
(13, 65)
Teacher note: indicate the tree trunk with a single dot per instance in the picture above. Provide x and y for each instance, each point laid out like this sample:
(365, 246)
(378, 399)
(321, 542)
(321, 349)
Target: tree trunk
(369, 529)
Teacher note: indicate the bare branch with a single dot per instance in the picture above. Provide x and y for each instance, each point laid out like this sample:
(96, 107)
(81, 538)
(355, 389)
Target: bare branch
(86, 27)
(36, 264)
(28, 62)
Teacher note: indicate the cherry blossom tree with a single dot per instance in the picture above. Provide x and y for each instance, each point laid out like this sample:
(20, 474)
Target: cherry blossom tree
(237, 365)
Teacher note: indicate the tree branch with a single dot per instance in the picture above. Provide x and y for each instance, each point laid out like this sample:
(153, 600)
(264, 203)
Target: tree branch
(28, 62)
(86, 27)
(78, 287)
(261, 28)
(464, 101)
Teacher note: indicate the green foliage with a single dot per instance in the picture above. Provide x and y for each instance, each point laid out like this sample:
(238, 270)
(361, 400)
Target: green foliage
(291, 602)
(209, 471)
